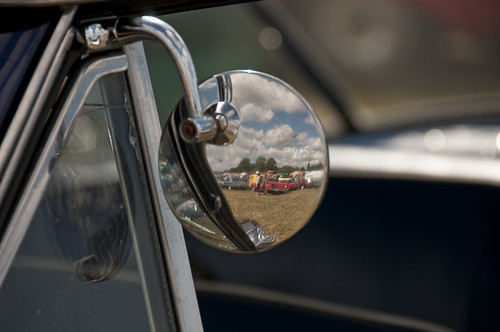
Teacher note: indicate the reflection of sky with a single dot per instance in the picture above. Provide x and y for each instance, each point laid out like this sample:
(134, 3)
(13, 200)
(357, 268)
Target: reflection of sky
(275, 123)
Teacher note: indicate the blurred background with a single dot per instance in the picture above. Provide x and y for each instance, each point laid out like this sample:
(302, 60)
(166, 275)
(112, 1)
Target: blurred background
(411, 234)
(362, 64)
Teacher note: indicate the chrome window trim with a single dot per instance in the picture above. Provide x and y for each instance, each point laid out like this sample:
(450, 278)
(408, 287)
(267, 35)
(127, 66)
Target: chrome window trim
(35, 188)
(26, 118)
(389, 163)
(176, 259)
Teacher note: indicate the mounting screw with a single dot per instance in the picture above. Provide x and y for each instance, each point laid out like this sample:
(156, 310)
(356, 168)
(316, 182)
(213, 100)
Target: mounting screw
(96, 37)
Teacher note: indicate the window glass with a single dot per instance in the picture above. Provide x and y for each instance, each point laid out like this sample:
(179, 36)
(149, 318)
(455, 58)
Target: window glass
(90, 258)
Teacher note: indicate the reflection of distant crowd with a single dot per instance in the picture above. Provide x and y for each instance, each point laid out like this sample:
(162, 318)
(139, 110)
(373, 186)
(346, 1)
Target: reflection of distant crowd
(261, 182)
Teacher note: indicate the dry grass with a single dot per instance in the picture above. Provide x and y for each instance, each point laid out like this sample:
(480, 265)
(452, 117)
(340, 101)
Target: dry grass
(280, 215)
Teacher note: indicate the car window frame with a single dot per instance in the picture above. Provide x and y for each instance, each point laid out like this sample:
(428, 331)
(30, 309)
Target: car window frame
(175, 261)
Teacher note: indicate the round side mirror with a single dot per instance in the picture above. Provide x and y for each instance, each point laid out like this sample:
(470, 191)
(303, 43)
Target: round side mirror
(258, 180)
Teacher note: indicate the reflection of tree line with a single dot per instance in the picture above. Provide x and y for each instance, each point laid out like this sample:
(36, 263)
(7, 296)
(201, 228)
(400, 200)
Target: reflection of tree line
(262, 165)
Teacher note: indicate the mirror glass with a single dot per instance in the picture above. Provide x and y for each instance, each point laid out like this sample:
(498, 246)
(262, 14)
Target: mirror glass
(269, 180)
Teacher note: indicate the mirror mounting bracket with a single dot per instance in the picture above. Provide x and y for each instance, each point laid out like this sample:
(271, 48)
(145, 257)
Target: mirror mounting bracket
(201, 125)
(216, 127)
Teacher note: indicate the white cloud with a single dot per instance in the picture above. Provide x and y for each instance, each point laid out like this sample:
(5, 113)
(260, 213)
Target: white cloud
(311, 119)
(301, 136)
(259, 98)
(259, 89)
(253, 112)
(281, 143)
(281, 136)
(315, 143)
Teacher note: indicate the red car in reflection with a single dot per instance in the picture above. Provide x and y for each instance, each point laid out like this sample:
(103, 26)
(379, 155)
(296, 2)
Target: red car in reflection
(273, 186)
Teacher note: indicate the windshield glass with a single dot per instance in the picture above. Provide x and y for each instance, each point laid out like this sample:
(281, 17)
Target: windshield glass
(90, 258)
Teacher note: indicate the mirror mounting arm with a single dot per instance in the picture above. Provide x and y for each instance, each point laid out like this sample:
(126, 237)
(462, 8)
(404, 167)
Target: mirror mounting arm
(198, 127)
(152, 28)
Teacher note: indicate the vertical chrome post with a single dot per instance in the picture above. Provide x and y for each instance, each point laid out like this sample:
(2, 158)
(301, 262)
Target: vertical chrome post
(148, 126)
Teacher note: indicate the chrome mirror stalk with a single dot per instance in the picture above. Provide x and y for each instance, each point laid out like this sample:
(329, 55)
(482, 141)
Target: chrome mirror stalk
(152, 28)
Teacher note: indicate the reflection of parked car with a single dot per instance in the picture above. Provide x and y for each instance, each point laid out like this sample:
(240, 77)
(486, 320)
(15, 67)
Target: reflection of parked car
(298, 183)
(313, 178)
(272, 186)
(298, 180)
(234, 183)
(293, 183)
(275, 187)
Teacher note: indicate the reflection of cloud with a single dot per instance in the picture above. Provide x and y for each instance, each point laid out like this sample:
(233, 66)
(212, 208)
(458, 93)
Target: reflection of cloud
(253, 112)
(263, 90)
(210, 84)
(225, 157)
(261, 101)
(248, 138)
(280, 136)
(210, 93)
(280, 143)
(310, 119)
(298, 157)
(301, 136)
(251, 132)
(315, 143)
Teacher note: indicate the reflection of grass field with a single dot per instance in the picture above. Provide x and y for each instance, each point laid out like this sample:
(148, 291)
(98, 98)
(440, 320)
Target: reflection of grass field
(279, 215)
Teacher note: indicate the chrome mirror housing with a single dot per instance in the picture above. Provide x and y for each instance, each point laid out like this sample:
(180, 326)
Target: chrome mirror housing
(238, 129)
(257, 178)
